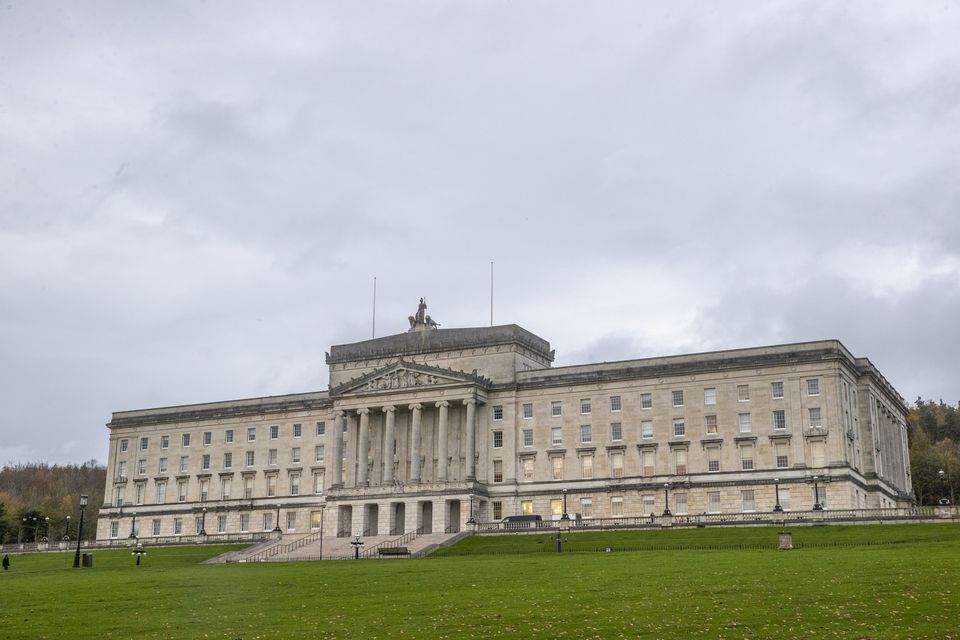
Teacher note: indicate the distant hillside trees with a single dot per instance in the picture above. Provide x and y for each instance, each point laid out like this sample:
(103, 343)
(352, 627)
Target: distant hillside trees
(36, 498)
(934, 445)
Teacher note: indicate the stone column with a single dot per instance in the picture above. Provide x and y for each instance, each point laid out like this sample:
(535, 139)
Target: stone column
(363, 443)
(416, 408)
(471, 405)
(351, 455)
(388, 438)
(336, 469)
(443, 406)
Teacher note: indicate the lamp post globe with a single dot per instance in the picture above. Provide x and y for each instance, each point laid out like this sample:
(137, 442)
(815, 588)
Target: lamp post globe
(565, 516)
(777, 508)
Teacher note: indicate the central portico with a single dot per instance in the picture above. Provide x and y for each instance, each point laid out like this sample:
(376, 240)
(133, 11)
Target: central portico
(406, 410)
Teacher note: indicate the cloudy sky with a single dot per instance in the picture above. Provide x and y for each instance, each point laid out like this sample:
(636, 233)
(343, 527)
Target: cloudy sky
(195, 196)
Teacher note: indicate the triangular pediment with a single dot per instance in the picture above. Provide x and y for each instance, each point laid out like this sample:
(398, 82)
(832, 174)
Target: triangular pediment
(408, 375)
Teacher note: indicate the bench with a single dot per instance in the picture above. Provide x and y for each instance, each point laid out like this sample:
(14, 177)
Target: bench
(393, 551)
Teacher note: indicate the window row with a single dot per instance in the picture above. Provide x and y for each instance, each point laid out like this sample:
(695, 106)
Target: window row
(180, 490)
(229, 436)
(206, 464)
(266, 520)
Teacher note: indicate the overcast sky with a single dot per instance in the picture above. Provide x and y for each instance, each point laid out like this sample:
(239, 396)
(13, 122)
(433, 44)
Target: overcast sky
(195, 197)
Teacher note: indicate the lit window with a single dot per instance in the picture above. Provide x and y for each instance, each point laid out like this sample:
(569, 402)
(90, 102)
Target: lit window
(556, 408)
(713, 502)
(528, 437)
(585, 407)
(747, 501)
(646, 429)
(616, 464)
(616, 431)
(556, 466)
(586, 466)
(646, 400)
(679, 427)
(783, 458)
(497, 439)
(776, 390)
(780, 420)
(556, 508)
(678, 398)
(746, 457)
(498, 470)
(526, 507)
(556, 436)
(614, 403)
(743, 392)
(527, 411)
(815, 417)
(710, 424)
(713, 459)
(680, 462)
(498, 412)
(274, 432)
(586, 434)
(207, 438)
(743, 421)
(813, 387)
(709, 396)
(297, 430)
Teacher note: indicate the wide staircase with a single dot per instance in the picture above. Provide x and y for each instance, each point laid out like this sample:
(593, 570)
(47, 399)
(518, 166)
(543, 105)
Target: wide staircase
(311, 546)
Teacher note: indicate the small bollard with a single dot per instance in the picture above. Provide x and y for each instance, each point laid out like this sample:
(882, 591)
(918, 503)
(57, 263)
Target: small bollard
(786, 540)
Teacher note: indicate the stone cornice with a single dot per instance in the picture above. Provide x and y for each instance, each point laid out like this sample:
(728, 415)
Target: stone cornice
(221, 410)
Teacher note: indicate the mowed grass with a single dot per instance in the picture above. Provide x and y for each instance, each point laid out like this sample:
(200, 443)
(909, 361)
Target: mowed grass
(904, 584)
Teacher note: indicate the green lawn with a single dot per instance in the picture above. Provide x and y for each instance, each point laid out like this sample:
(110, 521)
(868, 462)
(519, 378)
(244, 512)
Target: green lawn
(904, 584)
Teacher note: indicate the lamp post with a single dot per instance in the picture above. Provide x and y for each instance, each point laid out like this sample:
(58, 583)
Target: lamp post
(203, 521)
(565, 516)
(133, 526)
(471, 520)
(277, 528)
(666, 499)
(138, 551)
(816, 494)
(46, 528)
(776, 487)
(76, 558)
(944, 500)
(323, 512)
(66, 529)
(559, 541)
(356, 544)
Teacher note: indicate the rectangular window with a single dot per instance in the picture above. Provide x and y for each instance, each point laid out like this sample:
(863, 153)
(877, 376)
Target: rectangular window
(227, 460)
(141, 489)
(226, 488)
(785, 499)
(205, 461)
(272, 457)
(813, 387)
(185, 440)
(318, 477)
(244, 522)
(646, 401)
(497, 510)
(184, 463)
(118, 497)
(122, 469)
(586, 507)
(178, 526)
(274, 432)
(526, 507)
(141, 467)
(821, 496)
(646, 429)
(295, 484)
(498, 470)
(271, 485)
(297, 430)
(746, 500)
(321, 428)
(614, 403)
(713, 502)
(295, 455)
(498, 412)
(586, 434)
(497, 439)
(709, 396)
(556, 408)
(743, 392)
(267, 522)
(247, 487)
(680, 504)
(616, 431)
(291, 520)
(556, 436)
(818, 456)
(647, 505)
(585, 406)
(713, 459)
(124, 445)
(251, 434)
(527, 411)
(161, 492)
(616, 464)
(156, 527)
(181, 492)
(586, 466)
(207, 438)
(783, 459)
(680, 462)
(678, 398)
(114, 529)
(746, 457)
(743, 422)
(250, 458)
(144, 444)
(679, 427)
(779, 420)
(204, 490)
(527, 469)
(556, 467)
(318, 452)
(648, 462)
(556, 508)
(228, 436)
(815, 417)
(162, 466)
(616, 507)
(776, 390)
(164, 442)
(528, 437)
(710, 424)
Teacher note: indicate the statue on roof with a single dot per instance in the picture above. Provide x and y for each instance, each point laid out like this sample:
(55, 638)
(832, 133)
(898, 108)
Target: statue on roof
(421, 321)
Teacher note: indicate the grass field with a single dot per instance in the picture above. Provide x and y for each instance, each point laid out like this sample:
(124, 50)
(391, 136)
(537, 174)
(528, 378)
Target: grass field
(891, 581)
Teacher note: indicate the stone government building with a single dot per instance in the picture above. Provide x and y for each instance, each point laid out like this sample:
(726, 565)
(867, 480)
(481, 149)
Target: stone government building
(427, 428)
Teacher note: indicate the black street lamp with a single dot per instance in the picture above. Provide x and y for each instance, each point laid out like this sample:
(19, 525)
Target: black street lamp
(666, 499)
(776, 485)
(559, 541)
(203, 521)
(76, 558)
(816, 494)
(277, 528)
(133, 526)
(323, 512)
(565, 516)
(471, 520)
(138, 551)
(356, 544)
(66, 529)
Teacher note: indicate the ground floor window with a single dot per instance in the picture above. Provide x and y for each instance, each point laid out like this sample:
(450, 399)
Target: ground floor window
(526, 507)
(647, 505)
(713, 502)
(244, 522)
(156, 527)
(586, 507)
(114, 529)
(616, 506)
(497, 510)
(267, 521)
(178, 526)
(680, 503)
(785, 499)
(556, 507)
(747, 501)
(291, 520)
(221, 524)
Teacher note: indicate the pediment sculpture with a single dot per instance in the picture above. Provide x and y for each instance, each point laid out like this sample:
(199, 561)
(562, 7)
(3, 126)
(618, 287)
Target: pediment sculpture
(402, 379)
(421, 321)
